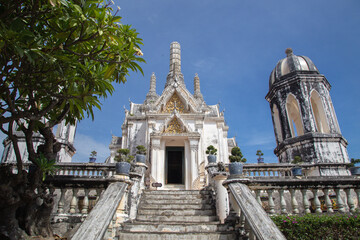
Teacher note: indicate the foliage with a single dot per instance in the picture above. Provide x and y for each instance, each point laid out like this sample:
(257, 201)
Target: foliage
(93, 154)
(297, 160)
(259, 153)
(45, 166)
(211, 150)
(353, 161)
(236, 155)
(58, 59)
(141, 150)
(123, 155)
(310, 226)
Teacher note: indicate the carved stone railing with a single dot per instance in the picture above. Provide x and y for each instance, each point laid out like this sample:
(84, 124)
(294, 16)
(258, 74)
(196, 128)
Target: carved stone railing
(305, 195)
(253, 221)
(85, 169)
(103, 217)
(284, 169)
(78, 188)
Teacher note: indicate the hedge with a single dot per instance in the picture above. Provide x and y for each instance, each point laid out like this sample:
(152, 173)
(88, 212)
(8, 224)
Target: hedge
(326, 227)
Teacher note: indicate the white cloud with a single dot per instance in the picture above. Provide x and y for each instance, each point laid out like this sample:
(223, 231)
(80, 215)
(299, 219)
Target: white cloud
(85, 144)
(205, 64)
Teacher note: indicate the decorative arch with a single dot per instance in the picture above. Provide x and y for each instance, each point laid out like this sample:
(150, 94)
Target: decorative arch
(277, 124)
(319, 113)
(294, 116)
(174, 124)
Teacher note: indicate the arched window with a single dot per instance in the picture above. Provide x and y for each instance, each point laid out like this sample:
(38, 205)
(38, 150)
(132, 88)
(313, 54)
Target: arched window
(294, 116)
(277, 124)
(319, 113)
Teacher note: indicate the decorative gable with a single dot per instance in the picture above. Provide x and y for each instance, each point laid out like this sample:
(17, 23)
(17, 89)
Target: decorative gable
(175, 103)
(174, 126)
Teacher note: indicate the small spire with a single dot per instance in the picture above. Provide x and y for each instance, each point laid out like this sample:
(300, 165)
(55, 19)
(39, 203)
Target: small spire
(175, 65)
(151, 96)
(289, 52)
(197, 93)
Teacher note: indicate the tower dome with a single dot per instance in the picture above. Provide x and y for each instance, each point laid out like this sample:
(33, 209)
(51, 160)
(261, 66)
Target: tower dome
(291, 64)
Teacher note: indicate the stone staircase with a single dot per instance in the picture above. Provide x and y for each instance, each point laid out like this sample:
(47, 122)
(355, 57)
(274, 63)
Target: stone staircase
(176, 214)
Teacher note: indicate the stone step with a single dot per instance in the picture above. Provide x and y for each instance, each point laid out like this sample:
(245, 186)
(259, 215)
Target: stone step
(175, 227)
(177, 206)
(177, 236)
(175, 196)
(181, 219)
(177, 212)
(170, 192)
(157, 202)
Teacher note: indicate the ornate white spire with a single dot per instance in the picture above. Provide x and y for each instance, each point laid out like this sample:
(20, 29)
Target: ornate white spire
(151, 95)
(175, 65)
(197, 93)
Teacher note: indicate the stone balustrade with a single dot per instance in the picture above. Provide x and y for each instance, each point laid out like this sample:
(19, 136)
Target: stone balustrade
(284, 169)
(85, 169)
(291, 195)
(253, 221)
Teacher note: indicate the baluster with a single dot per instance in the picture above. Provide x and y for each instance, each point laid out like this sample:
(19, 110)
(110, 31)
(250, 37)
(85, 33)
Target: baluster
(357, 190)
(85, 208)
(339, 201)
(282, 202)
(317, 201)
(271, 201)
(98, 193)
(328, 202)
(61, 202)
(247, 228)
(350, 201)
(73, 202)
(241, 225)
(258, 198)
(294, 203)
(305, 201)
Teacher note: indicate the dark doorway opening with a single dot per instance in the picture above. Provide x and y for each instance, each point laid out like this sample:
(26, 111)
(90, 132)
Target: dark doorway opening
(175, 165)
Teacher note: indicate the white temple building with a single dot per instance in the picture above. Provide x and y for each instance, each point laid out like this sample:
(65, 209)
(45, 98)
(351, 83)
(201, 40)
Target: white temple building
(176, 128)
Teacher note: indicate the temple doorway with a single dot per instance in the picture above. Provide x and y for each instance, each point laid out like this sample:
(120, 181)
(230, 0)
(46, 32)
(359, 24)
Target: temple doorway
(174, 165)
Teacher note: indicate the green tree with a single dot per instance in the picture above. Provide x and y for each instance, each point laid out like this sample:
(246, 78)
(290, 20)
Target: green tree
(58, 59)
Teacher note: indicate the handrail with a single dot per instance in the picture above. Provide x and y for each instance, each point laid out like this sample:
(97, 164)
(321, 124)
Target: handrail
(254, 216)
(97, 222)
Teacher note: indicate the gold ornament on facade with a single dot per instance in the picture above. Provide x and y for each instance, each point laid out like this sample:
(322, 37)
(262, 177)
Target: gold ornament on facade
(174, 103)
(174, 127)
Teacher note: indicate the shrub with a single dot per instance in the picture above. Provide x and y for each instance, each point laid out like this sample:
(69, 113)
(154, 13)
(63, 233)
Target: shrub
(236, 155)
(309, 226)
(141, 150)
(211, 150)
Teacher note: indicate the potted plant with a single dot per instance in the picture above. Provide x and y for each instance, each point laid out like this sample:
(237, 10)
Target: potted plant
(211, 151)
(140, 154)
(237, 159)
(123, 160)
(355, 171)
(92, 157)
(260, 154)
(297, 170)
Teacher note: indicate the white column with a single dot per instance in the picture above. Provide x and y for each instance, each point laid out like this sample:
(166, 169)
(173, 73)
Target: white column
(187, 159)
(194, 161)
(161, 163)
(155, 148)
(222, 199)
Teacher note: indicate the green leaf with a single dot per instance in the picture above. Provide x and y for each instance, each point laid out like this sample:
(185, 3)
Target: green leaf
(110, 70)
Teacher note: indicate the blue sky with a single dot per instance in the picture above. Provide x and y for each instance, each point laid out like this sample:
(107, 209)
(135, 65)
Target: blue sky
(233, 46)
